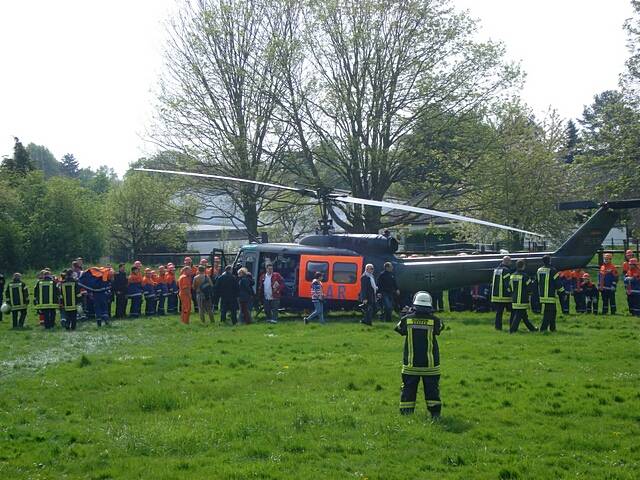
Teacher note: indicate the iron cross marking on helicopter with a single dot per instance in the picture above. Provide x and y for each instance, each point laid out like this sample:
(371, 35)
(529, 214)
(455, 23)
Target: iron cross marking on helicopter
(341, 257)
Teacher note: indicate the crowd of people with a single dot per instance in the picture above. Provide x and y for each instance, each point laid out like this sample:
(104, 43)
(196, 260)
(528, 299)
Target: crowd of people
(205, 289)
(513, 290)
(79, 294)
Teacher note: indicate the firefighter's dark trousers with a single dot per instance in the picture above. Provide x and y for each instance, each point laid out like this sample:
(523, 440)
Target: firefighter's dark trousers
(18, 317)
(49, 317)
(548, 317)
(410, 390)
(521, 315)
(500, 308)
(72, 319)
(608, 300)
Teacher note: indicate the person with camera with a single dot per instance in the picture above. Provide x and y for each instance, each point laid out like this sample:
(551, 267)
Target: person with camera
(421, 357)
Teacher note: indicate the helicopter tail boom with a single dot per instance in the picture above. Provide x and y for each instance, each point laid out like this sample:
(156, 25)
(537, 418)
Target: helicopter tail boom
(580, 247)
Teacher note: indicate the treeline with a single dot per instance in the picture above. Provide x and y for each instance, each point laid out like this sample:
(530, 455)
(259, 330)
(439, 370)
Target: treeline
(53, 211)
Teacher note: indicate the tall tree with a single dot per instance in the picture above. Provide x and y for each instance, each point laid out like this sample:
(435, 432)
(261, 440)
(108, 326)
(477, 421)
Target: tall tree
(63, 220)
(571, 143)
(142, 215)
(520, 179)
(103, 179)
(20, 164)
(70, 166)
(218, 98)
(610, 146)
(43, 159)
(630, 78)
(359, 76)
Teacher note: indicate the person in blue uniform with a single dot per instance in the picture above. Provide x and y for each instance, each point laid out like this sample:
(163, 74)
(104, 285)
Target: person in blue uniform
(97, 282)
(134, 292)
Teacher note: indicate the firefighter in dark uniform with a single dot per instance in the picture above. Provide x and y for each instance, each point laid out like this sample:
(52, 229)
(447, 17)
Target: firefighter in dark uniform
(70, 295)
(421, 358)
(45, 296)
(549, 286)
(500, 293)
(17, 295)
(520, 283)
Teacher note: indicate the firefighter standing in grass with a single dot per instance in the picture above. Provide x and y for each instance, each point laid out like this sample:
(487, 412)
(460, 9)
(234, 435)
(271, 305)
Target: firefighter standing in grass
(45, 296)
(548, 287)
(520, 284)
(500, 293)
(69, 296)
(607, 282)
(421, 358)
(17, 296)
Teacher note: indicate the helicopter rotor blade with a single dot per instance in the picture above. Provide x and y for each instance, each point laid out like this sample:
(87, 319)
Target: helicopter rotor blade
(303, 191)
(426, 211)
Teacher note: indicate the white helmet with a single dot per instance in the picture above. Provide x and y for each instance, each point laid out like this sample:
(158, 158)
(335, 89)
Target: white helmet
(422, 299)
(5, 308)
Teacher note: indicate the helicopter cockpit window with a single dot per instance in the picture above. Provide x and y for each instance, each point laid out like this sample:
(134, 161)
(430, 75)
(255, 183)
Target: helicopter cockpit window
(345, 272)
(313, 267)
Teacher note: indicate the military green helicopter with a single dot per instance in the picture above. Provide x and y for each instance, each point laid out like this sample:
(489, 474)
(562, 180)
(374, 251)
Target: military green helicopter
(341, 258)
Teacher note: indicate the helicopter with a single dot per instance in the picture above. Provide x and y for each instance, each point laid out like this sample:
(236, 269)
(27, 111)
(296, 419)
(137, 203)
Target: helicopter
(341, 258)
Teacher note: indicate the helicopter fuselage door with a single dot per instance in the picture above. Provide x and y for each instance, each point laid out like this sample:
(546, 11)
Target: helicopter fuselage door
(340, 276)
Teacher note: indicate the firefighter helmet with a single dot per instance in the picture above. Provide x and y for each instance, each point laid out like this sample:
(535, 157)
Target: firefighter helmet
(422, 299)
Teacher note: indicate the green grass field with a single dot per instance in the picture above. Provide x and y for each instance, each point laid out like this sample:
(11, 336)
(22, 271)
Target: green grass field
(155, 399)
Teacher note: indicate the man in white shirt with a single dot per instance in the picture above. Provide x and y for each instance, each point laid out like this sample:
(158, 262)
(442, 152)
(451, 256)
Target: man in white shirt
(271, 286)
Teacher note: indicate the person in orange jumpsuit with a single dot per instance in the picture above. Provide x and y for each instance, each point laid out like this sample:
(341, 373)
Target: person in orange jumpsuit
(184, 292)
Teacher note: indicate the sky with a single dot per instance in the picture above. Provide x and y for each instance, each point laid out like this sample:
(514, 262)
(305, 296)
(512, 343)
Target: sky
(79, 76)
